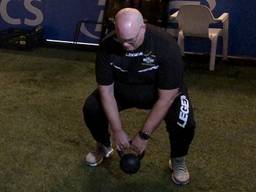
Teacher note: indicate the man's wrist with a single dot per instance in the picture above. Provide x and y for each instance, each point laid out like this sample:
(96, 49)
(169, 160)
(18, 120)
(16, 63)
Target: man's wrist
(144, 135)
(117, 130)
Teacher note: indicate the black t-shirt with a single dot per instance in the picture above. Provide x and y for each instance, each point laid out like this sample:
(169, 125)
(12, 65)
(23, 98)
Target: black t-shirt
(156, 62)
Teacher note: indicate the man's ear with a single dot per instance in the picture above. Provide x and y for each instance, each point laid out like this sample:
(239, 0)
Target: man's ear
(143, 27)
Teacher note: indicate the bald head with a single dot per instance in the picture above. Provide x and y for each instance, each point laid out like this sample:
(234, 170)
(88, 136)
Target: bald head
(129, 25)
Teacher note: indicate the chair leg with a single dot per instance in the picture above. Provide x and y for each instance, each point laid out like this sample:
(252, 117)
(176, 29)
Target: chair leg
(181, 42)
(225, 47)
(225, 39)
(213, 52)
(77, 32)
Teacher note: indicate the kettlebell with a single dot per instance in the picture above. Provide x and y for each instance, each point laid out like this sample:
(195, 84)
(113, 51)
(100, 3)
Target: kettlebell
(130, 161)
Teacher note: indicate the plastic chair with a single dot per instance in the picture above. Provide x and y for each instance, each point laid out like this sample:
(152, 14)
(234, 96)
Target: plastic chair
(194, 21)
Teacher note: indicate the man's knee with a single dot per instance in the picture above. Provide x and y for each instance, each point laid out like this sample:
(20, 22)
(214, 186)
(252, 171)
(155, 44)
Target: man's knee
(92, 105)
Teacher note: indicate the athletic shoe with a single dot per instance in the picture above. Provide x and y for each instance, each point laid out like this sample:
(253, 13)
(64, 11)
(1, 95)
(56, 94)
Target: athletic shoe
(96, 157)
(180, 174)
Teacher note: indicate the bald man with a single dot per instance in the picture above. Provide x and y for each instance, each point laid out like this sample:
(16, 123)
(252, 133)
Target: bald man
(139, 66)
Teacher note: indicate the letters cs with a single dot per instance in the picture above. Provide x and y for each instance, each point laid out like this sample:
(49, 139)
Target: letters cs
(17, 21)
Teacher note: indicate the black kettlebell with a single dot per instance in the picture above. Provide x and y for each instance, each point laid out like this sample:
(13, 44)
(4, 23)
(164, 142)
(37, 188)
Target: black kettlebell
(130, 161)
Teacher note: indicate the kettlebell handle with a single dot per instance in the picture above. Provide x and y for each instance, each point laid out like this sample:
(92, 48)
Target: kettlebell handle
(121, 153)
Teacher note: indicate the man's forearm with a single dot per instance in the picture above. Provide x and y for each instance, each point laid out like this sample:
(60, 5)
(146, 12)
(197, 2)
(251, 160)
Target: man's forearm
(111, 110)
(155, 116)
(158, 112)
(109, 103)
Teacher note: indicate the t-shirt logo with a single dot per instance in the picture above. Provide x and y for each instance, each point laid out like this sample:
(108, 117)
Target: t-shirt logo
(149, 60)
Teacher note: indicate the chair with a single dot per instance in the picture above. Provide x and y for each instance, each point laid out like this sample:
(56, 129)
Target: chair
(194, 21)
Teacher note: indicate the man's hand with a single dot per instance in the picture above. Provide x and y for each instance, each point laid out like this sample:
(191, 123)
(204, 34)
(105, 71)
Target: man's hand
(121, 140)
(138, 145)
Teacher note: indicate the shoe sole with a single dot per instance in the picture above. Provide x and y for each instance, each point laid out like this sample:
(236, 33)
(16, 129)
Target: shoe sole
(177, 182)
(107, 155)
(95, 164)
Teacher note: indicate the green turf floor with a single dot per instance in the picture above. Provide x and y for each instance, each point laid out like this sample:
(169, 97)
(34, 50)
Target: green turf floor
(43, 137)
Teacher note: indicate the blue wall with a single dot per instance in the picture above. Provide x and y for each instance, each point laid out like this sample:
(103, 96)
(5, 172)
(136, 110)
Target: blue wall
(59, 18)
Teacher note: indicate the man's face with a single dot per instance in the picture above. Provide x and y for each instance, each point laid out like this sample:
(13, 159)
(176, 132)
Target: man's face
(133, 41)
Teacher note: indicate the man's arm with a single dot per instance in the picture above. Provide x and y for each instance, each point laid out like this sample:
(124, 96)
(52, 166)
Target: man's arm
(111, 110)
(157, 114)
